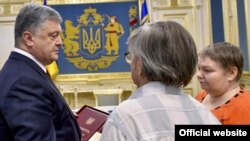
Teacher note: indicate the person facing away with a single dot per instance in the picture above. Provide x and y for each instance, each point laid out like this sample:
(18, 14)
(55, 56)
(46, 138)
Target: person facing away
(163, 59)
(220, 66)
(31, 107)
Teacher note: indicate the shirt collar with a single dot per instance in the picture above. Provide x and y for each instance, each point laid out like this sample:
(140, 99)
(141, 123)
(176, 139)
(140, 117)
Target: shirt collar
(155, 87)
(31, 57)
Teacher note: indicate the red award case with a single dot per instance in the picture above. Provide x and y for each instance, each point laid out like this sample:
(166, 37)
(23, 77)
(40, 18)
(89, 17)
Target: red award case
(90, 120)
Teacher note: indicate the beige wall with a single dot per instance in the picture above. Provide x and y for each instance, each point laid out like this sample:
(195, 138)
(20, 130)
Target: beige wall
(6, 37)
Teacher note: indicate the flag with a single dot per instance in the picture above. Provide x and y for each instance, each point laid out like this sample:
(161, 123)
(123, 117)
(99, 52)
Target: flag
(144, 12)
(52, 68)
(44, 2)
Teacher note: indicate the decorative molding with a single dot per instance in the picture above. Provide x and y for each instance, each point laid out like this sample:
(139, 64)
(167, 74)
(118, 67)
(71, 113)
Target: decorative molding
(78, 94)
(15, 1)
(81, 93)
(247, 16)
(245, 80)
(230, 21)
(54, 2)
(7, 20)
(208, 28)
(184, 2)
(179, 16)
(172, 8)
(92, 77)
(160, 3)
(10, 9)
(172, 4)
(14, 9)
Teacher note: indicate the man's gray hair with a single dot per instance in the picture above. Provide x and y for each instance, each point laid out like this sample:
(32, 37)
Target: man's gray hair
(31, 17)
(167, 51)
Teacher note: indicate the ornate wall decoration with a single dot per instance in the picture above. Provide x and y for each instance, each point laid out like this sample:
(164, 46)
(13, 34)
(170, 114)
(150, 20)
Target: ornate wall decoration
(95, 36)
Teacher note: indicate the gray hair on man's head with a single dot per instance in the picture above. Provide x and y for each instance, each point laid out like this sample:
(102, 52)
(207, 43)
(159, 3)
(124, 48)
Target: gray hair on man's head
(31, 17)
(167, 51)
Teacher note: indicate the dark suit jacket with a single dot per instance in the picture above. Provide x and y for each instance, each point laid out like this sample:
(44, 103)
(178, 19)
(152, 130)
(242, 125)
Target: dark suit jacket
(31, 107)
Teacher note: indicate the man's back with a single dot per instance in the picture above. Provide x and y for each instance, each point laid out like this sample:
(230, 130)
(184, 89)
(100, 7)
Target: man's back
(153, 111)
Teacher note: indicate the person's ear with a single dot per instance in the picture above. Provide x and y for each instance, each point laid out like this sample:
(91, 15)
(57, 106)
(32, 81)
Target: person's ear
(28, 38)
(233, 73)
(139, 67)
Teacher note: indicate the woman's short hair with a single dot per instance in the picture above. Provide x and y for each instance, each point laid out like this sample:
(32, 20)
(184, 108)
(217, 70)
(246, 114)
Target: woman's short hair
(226, 54)
(167, 50)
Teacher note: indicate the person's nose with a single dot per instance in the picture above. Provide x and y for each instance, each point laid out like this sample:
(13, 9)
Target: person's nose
(59, 42)
(199, 73)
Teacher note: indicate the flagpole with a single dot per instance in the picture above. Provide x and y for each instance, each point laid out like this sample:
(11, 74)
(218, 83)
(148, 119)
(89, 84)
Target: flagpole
(144, 13)
(44, 2)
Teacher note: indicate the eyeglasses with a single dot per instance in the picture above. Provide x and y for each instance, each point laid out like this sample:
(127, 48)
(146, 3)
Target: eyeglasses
(128, 57)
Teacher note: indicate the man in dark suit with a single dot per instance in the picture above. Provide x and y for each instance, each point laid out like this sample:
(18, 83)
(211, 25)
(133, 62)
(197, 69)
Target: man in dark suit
(31, 107)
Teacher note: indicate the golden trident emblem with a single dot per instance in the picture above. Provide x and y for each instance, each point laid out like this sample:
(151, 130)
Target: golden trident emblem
(84, 43)
(91, 43)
